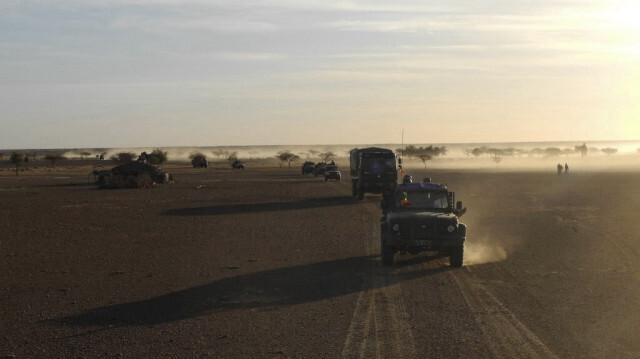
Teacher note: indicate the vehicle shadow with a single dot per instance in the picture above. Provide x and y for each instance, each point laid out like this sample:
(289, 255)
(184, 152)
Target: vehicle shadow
(261, 207)
(264, 290)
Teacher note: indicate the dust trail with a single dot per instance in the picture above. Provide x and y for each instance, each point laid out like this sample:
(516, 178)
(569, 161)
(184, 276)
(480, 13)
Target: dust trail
(482, 252)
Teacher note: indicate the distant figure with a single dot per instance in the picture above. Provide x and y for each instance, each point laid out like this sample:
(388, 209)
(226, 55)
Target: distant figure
(559, 169)
(332, 163)
(407, 179)
(566, 168)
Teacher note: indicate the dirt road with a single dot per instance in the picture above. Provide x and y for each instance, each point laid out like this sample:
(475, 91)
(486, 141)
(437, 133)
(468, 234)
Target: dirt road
(266, 263)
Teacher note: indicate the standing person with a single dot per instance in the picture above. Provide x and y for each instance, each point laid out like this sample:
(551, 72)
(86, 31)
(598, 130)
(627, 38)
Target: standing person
(559, 169)
(566, 168)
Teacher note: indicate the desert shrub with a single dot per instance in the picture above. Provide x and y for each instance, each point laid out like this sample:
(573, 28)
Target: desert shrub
(123, 157)
(157, 157)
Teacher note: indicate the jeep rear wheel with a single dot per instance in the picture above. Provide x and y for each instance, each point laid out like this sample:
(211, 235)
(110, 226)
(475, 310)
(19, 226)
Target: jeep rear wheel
(388, 252)
(456, 256)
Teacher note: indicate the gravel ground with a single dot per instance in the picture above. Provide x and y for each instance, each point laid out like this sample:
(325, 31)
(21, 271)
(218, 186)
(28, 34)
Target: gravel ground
(266, 263)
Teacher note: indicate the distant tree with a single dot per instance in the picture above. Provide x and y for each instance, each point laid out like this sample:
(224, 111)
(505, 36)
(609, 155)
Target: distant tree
(17, 159)
(609, 151)
(123, 157)
(303, 154)
(2, 155)
(478, 151)
(582, 149)
(468, 152)
(53, 158)
(567, 151)
(497, 160)
(232, 156)
(537, 152)
(287, 157)
(313, 152)
(410, 151)
(253, 154)
(326, 156)
(552, 152)
(424, 157)
(157, 157)
(218, 152)
(84, 154)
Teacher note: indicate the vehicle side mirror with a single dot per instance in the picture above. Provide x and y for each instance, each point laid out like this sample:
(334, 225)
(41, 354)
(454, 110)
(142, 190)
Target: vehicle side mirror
(459, 205)
(400, 161)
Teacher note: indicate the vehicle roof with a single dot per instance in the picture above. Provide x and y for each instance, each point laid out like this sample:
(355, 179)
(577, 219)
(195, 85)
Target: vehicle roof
(416, 186)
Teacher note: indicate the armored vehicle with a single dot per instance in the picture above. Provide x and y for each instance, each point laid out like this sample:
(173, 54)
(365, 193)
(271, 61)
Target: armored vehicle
(420, 217)
(332, 172)
(372, 170)
(133, 175)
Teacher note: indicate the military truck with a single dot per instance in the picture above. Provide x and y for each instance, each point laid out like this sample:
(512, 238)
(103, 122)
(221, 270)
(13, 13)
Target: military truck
(373, 170)
(421, 217)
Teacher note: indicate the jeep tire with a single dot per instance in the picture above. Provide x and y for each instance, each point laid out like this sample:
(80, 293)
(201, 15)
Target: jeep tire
(455, 256)
(388, 253)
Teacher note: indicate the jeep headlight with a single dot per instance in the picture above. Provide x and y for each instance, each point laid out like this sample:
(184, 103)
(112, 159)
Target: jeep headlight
(451, 228)
(395, 227)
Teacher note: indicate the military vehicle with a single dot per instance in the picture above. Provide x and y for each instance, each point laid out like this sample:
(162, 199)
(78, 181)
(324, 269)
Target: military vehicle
(308, 167)
(421, 217)
(332, 172)
(199, 161)
(237, 165)
(372, 170)
(319, 169)
(135, 174)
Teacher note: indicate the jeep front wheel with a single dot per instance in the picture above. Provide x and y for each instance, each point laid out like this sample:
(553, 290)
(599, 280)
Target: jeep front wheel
(388, 252)
(456, 256)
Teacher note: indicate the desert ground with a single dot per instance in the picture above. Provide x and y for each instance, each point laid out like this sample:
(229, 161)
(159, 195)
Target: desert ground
(267, 263)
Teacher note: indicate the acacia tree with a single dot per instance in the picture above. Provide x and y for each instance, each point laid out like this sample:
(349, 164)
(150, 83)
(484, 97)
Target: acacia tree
(232, 156)
(17, 159)
(53, 158)
(424, 157)
(288, 157)
(313, 152)
(326, 156)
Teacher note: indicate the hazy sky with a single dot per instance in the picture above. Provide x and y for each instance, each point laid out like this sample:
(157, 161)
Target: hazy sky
(89, 73)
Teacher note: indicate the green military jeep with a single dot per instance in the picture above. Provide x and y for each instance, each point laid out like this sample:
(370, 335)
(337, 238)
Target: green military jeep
(421, 217)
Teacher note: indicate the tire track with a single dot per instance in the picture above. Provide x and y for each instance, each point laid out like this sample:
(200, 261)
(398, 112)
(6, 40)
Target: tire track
(379, 327)
(504, 335)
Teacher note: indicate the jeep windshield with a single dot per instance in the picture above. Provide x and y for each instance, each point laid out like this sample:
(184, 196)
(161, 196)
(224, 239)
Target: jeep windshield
(378, 165)
(428, 200)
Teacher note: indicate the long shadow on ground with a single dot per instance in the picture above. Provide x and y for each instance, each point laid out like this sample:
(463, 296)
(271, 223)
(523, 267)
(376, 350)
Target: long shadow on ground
(261, 207)
(265, 290)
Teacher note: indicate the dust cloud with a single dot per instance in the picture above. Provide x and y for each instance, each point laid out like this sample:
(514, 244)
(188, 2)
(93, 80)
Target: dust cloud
(482, 252)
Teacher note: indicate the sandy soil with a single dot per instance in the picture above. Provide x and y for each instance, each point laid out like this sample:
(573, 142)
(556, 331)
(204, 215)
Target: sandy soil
(266, 263)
